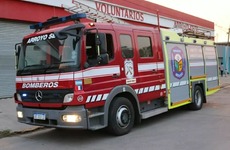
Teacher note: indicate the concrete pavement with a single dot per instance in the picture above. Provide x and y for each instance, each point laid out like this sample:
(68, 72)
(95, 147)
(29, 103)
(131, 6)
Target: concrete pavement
(225, 81)
(8, 119)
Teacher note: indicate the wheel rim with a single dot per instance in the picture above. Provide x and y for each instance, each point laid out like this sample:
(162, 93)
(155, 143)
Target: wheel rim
(123, 116)
(198, 98)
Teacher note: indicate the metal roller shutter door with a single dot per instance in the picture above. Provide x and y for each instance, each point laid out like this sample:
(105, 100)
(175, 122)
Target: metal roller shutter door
(10, 33)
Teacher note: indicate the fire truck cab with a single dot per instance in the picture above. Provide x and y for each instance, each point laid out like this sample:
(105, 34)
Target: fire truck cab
(96, 75)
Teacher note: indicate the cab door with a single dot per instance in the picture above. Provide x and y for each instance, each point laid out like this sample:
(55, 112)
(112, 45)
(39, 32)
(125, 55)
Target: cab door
(150, 76)
(127, 57)
(99, 79)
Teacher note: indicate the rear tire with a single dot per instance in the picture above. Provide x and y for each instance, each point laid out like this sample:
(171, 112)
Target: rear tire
(197, 99)
(121, 116)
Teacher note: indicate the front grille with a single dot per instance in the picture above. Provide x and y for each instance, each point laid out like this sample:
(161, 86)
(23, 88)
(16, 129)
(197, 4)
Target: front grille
(48, 96)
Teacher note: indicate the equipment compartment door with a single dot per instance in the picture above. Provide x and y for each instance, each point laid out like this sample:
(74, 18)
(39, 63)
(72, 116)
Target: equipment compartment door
(177, 75)
(211, 68)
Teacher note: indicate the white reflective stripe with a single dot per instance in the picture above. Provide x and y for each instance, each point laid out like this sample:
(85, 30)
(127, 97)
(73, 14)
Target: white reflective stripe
(196, 64)
(141, 91)
(142, 67)
(45, 77)
(18, 79)
(103, 71)
(78, 75)
(157, 87)
(151, 88)
(38, 78)
(146, 89)
(105, 96)
(146, 67)
(215, 78)
(176, 84)
(95, 72)
(88, 99)
(52, 77)
(181, 83)
(27, 79)
(99, 97)
(102, 97)
(93, 98)
(66, 76)
(214, 63)
(212, 78)
(160, 66)
(163, 86)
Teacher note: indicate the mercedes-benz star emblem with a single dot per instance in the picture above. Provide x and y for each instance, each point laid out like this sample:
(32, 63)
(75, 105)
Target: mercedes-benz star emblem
(38, 95)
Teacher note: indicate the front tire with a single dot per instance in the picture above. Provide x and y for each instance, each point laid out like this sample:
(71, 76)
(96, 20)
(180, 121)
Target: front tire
(197, 99)
(121, 116)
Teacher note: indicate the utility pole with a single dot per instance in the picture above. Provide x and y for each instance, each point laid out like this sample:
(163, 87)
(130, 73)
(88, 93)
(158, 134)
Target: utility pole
(227, 54)
(228, 36)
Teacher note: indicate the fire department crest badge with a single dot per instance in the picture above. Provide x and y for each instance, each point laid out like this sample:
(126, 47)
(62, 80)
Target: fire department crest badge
(129, 70)
(178, 63)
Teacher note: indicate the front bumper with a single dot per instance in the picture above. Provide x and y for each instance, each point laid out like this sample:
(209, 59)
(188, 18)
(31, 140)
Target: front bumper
(53, 118)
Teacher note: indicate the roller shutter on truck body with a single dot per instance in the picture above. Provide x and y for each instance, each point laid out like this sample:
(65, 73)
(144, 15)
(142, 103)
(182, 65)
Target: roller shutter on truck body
(10, 33)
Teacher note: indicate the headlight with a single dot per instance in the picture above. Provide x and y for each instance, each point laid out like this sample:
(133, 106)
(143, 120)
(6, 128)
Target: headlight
(20, 114)
(68, 98)
(71, 118)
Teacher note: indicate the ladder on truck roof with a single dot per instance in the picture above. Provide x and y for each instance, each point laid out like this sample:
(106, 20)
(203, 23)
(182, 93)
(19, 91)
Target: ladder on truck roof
(99, 16)
(92, 13)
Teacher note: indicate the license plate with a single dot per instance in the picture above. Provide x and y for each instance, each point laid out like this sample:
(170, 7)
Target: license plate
(39, 116)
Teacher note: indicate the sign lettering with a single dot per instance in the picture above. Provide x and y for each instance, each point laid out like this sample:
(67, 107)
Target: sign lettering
(185, 26)
(41, 38)
(40, 85)
(120, 12)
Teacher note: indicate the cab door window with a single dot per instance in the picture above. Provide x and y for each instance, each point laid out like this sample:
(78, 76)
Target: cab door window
(144, 46)
(92, 51)
(126, 46)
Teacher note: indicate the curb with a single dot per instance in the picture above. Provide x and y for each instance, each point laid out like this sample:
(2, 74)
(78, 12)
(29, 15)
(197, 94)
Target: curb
(8, 133)
(224, 85)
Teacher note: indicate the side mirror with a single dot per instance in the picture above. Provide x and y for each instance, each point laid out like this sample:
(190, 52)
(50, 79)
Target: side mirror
(101, 42)
(60, 35)
(71, 30)
(18, 47)
(103, 59)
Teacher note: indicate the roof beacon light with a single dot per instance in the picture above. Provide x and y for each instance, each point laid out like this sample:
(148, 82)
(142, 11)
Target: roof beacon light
(55, 21)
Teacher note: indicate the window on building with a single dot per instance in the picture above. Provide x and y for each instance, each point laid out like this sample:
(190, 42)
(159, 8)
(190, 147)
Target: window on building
(126, 46)
(145, 46)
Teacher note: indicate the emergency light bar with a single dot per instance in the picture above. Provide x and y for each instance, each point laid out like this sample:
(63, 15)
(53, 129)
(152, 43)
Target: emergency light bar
(58, 21)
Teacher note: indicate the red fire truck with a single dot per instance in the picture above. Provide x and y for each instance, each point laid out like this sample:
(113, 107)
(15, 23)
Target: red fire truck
(106, 75)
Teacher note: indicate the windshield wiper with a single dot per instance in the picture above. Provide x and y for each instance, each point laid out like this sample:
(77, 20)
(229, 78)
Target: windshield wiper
(65, 62)
(28, 69)
(36, 65)
(55, 66)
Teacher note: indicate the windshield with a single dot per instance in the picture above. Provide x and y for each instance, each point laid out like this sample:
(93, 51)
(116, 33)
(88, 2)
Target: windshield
(48, 54)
